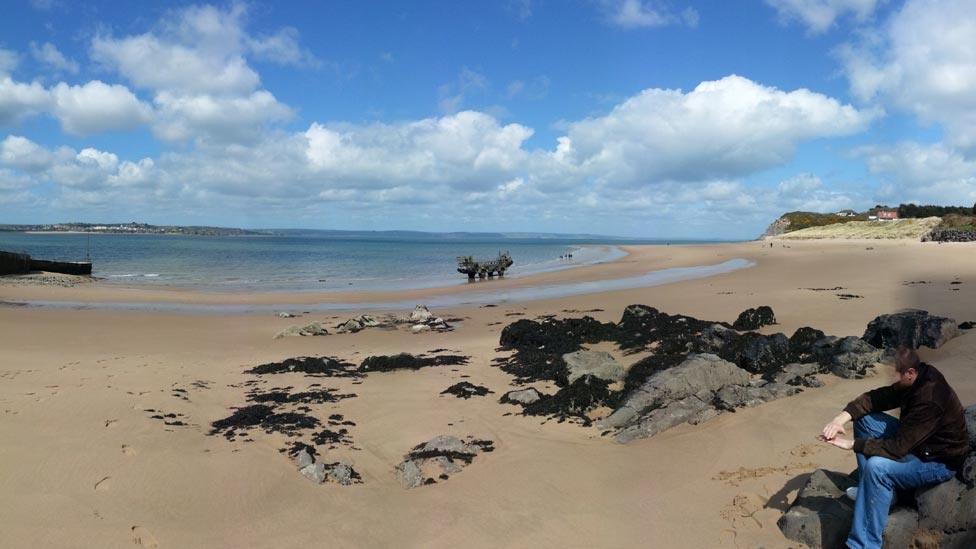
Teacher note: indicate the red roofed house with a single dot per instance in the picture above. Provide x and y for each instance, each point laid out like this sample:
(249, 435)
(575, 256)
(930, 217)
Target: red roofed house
(887, 215)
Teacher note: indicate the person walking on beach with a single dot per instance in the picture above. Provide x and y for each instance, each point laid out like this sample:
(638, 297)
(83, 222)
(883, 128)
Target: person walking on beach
(924, 447)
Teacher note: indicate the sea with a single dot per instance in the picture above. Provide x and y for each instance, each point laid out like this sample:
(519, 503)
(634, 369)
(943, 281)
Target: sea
(306, 263)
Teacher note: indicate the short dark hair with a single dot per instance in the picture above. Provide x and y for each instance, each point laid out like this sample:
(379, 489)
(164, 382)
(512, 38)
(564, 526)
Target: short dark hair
(906, 358)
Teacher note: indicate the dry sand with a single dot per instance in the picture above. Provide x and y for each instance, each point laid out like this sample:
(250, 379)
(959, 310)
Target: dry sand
(82, 465)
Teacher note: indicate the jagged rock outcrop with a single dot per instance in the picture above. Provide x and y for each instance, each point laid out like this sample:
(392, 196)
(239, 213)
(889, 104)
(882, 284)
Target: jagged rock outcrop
(912, 328)
(697, 389)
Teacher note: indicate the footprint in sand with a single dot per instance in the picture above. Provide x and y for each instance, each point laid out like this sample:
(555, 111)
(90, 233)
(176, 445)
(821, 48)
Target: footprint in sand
(110, 422)
(128, 450)
(103, 485)
(143, 538)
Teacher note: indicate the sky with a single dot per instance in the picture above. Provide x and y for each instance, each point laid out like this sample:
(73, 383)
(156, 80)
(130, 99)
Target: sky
(643, 118)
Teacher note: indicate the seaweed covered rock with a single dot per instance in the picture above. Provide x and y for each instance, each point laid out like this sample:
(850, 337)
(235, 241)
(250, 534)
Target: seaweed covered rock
(407, 361)
(554, 336)
(802, 343)
(911, 328)
(753, 319)
(466, 390)
(437, 459)
(759, 354)
(821, 516)
(324, 366)
(642, 327)
(574, 400)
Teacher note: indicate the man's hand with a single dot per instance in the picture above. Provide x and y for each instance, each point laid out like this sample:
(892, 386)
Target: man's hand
(835, 427)
(842, 443)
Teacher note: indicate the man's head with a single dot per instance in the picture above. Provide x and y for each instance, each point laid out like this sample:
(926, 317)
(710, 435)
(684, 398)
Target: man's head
(906, 366)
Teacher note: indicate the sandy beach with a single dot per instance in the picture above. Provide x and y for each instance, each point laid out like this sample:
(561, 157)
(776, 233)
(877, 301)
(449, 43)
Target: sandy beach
(85, 465)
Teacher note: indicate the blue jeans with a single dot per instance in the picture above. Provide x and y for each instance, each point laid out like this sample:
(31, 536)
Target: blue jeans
(878, 477)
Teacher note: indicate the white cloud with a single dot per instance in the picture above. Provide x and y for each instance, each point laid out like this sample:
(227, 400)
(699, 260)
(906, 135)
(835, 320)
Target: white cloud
(23, 154)
(819, 15)
(923, 174)
(182, 117)
(923, 61)
(97, 107)
(632, 14)
(49, 55)
(283, 48)
(453, 95)
(8, 61)
(721, 129)
(19, 100)
(465, 150)
(199, 49)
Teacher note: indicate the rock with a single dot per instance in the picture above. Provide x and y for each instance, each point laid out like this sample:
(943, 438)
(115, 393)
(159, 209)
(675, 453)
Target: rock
(521, 396)
(851, 357)
(420, 328)
(574, 400)
(956, 540)
(304, 459)
(323, 366)
(687, 410)
(350, 326)
(949, 507)
(420, 314)
(970, 415)
(437, 458)
(285, 315)
(912, 328)
(753, 319)
(968, 325)
(368, 321)
(314, 472)
(796, 373)
(598, 364)
(466, 390)
(759, 354)
(821, 515)
(801, 343)
(343, 474)
(699, 377)
(900, 529)
(968, 471)
(310, 329)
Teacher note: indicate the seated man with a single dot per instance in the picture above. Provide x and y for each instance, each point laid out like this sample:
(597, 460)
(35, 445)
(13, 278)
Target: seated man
(925, 447)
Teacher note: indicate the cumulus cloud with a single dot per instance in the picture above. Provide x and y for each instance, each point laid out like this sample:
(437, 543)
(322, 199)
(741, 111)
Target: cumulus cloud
(19, 100)
(23, 154)
(632, 14)
(922, 61)
(820, 15)
(97, 107)
(195, 63)
(48, 55)
(721, 129)
(8, 61)
(922, 173)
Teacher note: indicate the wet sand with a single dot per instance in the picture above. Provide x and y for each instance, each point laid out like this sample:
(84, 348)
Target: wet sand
(84, 465)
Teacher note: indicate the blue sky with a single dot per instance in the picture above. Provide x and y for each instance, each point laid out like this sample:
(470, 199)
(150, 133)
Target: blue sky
(649, 118)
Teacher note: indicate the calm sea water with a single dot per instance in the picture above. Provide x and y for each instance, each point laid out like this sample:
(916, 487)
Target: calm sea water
(300, 263)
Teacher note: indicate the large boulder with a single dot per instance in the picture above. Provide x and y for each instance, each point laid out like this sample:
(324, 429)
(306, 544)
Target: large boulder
(759, 354)
(851, 357)
(753, 319)
(598, 364)
(911, 328)
(802, 341)
(949, 507)
(899, 531)
(821, 516)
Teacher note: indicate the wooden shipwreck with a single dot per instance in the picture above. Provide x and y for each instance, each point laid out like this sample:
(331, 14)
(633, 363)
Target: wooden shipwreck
(484, 268)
